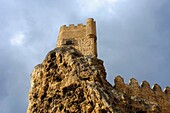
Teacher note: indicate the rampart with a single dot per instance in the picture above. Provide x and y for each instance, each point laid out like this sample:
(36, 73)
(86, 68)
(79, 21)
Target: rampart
(154, 95)
(81, 37)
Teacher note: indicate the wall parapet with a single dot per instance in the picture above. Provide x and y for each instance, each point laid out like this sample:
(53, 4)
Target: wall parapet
(133, 83)
(72, 26)
(144, 91)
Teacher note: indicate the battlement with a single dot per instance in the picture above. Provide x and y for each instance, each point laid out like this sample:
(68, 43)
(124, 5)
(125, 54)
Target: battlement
(143, 91)
(133, 85)
(81, 37)
(71, 26)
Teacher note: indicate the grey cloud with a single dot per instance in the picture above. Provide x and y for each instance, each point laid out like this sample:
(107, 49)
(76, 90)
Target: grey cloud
(133, 45)
(133, 41)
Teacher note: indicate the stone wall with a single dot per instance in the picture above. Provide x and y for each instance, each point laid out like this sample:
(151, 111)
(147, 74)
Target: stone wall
(81, 37)
(154, 95)
(68, 82)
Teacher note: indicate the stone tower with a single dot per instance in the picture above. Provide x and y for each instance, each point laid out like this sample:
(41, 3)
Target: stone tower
(68, 82)
(81, 37)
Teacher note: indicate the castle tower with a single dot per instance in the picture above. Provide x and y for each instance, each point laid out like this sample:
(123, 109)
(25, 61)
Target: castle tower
(81, 37)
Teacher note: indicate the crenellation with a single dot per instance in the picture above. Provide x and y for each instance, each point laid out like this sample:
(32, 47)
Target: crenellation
(167, 91)
(119, 83)
(133, 82)
(145, 85)
(71, 26)
(119, 80)
(156, 88)
(80, 25)
(63, 27)
(144, 90)
(134, 87)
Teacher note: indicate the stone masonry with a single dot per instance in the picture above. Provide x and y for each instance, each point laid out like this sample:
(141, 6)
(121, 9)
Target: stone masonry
(81, 37)
(68, 82)
(71, 79)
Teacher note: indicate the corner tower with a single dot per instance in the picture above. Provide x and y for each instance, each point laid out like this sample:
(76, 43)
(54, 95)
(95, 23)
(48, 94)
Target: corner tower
(81, 37)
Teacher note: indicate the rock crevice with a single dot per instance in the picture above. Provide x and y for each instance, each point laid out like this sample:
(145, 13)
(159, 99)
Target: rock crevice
(69, 82)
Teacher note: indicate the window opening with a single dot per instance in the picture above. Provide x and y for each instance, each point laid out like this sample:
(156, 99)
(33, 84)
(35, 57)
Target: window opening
(69, 42)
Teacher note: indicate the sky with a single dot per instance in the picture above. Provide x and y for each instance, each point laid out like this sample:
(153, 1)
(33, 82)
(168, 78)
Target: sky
(132, 38)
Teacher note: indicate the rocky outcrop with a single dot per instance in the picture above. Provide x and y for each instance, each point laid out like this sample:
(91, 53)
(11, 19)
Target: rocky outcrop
(68, 82)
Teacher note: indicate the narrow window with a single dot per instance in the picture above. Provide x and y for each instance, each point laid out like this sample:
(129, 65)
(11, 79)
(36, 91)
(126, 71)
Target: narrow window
(69, 42)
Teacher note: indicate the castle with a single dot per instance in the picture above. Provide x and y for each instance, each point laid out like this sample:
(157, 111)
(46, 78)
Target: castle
(81, 37)
(67, 82)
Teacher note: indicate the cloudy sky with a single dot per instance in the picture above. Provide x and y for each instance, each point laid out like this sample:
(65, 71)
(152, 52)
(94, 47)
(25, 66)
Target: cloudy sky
(133, 40)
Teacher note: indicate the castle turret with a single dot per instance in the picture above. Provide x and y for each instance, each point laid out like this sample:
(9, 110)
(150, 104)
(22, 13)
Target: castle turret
(90, 27)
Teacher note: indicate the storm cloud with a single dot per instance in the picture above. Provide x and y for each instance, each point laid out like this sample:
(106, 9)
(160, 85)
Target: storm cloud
(133, 40)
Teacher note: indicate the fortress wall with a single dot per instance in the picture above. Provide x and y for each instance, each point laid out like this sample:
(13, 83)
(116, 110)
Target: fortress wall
(144, 91)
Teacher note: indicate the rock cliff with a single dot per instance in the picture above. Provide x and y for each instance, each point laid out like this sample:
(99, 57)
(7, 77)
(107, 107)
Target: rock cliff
(69, 82)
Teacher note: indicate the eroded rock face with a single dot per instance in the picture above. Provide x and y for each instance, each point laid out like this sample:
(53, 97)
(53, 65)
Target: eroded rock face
(68, 82)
